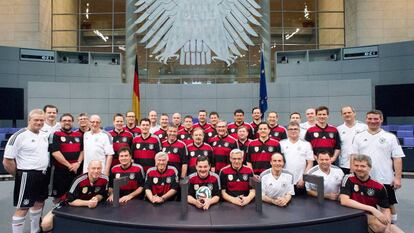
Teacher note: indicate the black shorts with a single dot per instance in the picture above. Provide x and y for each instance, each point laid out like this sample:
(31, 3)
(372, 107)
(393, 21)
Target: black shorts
(62, 180)
(30, 186)
(392, 199)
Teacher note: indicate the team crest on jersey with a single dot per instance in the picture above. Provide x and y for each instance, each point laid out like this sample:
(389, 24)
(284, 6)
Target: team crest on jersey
(85, 190)
(175, 150)
(230, 177)
(210, 134)
(182, 136)
(270, 148)
(77, 140)
(192, 153)
(276, 134)
(226, 144)
(331, 135)
(26, 202)
(370, 192)
(196, 187)
(356, 188)
(155, 180)
(63, 139)
(210, 186)
(138, 146)
(245, 177)
(124, 139)
(150, 146)
(316, 134)
(214, 143)
(164, 149)
(382, 140)
(117, 176)
(284, 185)
(299, 148)
(160, 136)
(343, 132)
(232, 130)
(256, 149)
(97, 189)
(131, 176)
(205, 153)
(168, 180)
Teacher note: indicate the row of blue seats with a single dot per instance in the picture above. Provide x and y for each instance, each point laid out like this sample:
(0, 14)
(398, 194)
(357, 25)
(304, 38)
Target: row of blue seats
(392, 127)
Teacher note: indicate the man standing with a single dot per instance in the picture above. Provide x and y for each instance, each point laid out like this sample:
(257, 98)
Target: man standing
(162, 132)
(332, 177)
(243, 141)
(260, 150)
(145, 146)
(131, 124)
(295, 117)
(67, 152)
(161, 183)
(239, 121)
(322, 136)
(176, 120)
(185, 134)
(386, 155)
(202, 120)
(83, 123)
(277, 131)
(198, 148)
(120, 137)
(204, 186)
(222, 145)
(256, 119)
(234, 180)
(176, 150)
(212, 132)
(348, 130)
(153, 117)
(310, 119)
(50, 125)
(299, 156)
(97, 146)
(359, 191)
(26, 157)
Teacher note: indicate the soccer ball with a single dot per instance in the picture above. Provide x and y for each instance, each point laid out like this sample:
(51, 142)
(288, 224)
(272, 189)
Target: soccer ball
(203, 192)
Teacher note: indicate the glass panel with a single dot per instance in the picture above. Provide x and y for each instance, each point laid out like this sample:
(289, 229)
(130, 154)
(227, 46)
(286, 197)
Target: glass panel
(95, 37)
(65, 6)
(106, 49)
(119, 37)
(65, 38)
(331, 36)
(300, 35)
(275, 5)
(298, 20)
(330, 20)
(96, 6)
(275, 19)
(119, 21)
(119, 6)
(299, 5)
(330, 5)
(65, 22)
(96, 21)
(299, 47)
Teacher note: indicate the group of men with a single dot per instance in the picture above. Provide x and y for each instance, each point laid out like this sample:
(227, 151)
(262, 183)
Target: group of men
(217, 157)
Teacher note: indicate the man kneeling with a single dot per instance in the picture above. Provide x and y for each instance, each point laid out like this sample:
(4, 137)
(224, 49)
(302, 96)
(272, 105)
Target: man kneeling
(359, 191)
(86, 190)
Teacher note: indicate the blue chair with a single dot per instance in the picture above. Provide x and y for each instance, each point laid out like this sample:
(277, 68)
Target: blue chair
(2, 136)
(108, 128)
(386, 127)
(405, 133)
(405, 127)
(409, 142)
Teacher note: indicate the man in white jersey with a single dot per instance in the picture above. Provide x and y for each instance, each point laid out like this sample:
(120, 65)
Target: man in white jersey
(277, 184)
(50, 125)
(310, 119)
(386, 154)
(26, 157)
(347, 131)
(153, 116)
(299, 156)
(332, 177)
(97, 145)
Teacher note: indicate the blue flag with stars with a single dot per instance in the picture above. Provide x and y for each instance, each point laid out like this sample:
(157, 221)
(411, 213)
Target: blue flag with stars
(263, 89)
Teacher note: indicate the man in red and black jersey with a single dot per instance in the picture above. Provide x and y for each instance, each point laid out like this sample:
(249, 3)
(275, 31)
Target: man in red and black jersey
(176, 120)
(203, 179)
(120, 137)
(257, 118)
(134, 173)
(185, 134)
(198, 148)
(202, 120)
(222, 145)
(161, 182)
(239, 121)
(359, 191)
(131, 124)
(322, 136)
(212, 132)
(234, 180)
(67, 152)
(259, 151)
(277, 131)
(83, 123)
(162, 132)
(243, 141)
(145, 146)
(176, 150)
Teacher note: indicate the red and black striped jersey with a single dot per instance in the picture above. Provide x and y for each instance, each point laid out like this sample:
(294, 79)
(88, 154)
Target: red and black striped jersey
(232, 129)
(160, 183)
(177, 154)
(161, 134)
(195, 151)
(121, 139)
(70, 144)
(144, 150)
(236, 182)
(278, 132)
(368, 192)
(255, 128)
(204, 127)
(136, 131)
(212, 181)
(134, 174)
(323, 138)
(186, 136)
(221, 150)
(82, 188)
(243, 147)
(259, 154)
(209, 133)
(81, 132)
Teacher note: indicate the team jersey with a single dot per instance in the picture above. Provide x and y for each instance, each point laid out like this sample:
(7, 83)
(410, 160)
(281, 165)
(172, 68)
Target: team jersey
(323, 139)
(186, 136)
(259, 154)
(232, 129)
(277, 187)
(382, 147)
(212, 181)
(160, 183)
(209, 133)
(221, 150)
(83, 189)
(255, 128)
(236, 182)
(69, 143)
(243, 147)
(296, 155)
(347, 135)
(119, 140)
(134, 174)
(177, 154)
(135, 131)
(368, 192)
(195, 151)
(278, 132)
(144, 150)
(204, 127)
(81, 131)
(331, 182)
(96, 147)
(161, 134)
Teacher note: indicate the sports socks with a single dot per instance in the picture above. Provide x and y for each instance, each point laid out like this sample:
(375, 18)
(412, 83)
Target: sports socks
(18, 224)
(35, 220)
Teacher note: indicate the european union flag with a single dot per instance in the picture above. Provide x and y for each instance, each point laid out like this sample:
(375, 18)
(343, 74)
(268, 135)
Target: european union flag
(263, 89)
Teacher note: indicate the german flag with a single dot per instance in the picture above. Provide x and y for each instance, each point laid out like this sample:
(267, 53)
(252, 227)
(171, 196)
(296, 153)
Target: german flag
(135, 93)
